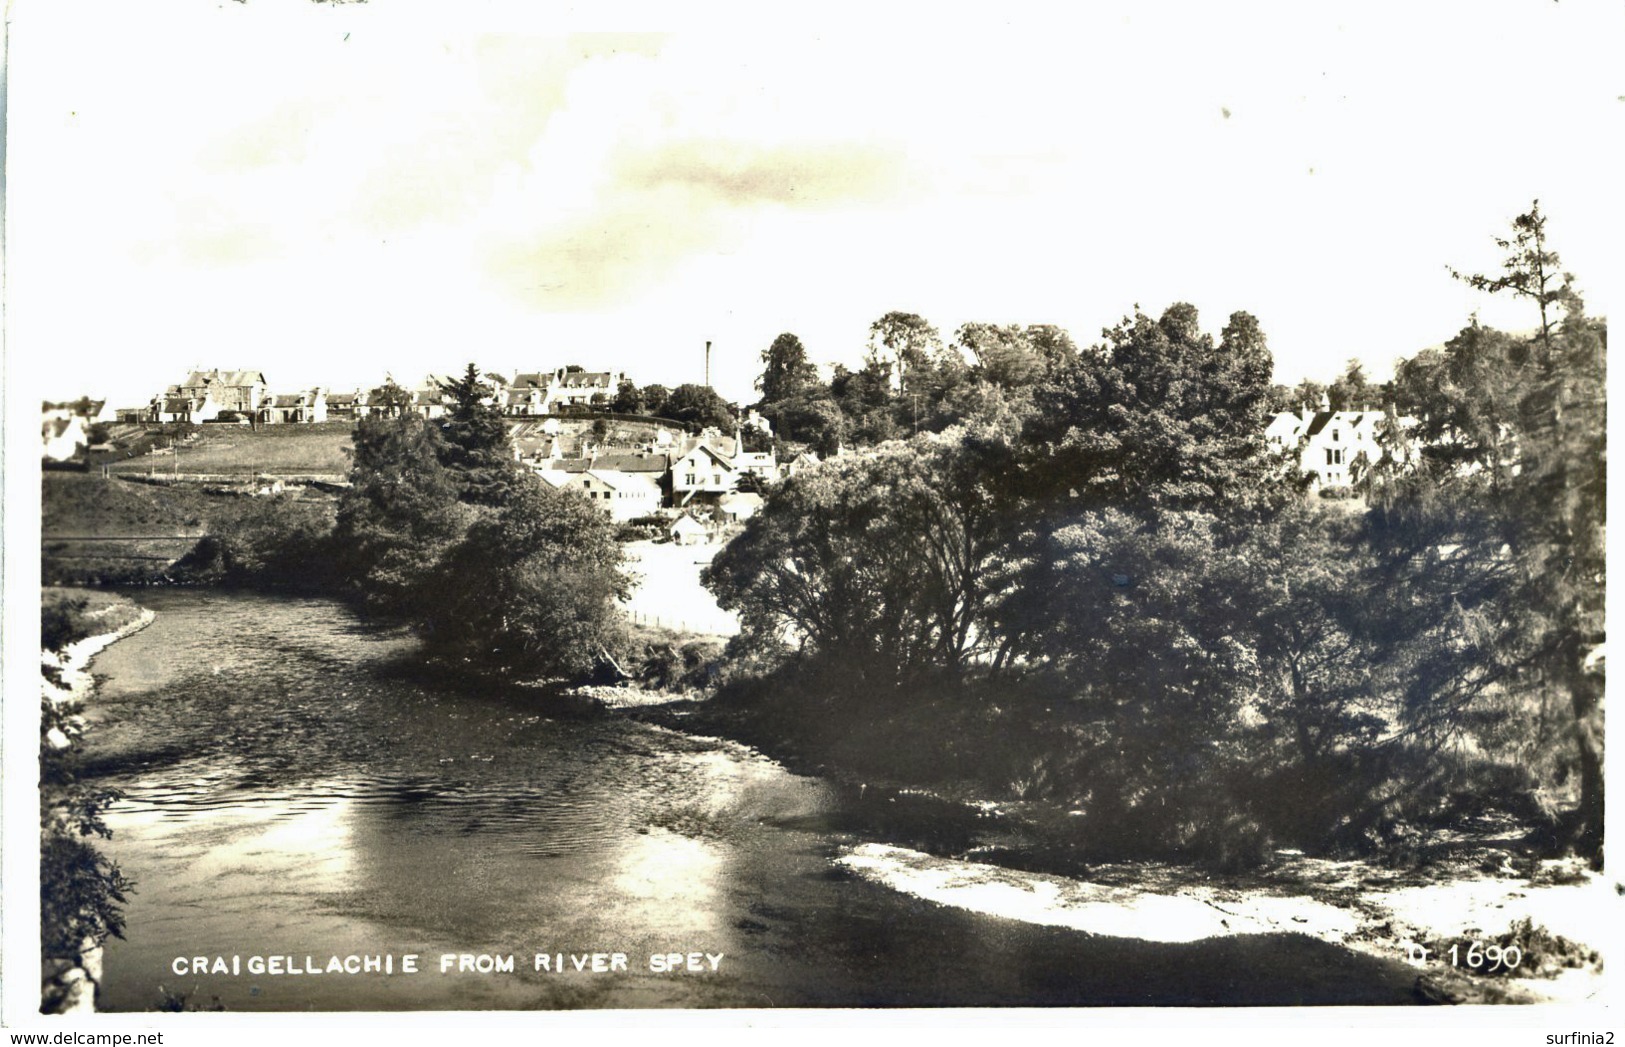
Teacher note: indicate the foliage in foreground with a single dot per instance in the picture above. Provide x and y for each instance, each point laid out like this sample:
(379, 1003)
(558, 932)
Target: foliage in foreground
(1108, 597)
(81, 890)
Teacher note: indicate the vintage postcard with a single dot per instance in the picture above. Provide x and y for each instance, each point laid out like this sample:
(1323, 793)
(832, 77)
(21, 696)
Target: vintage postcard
(897, 515)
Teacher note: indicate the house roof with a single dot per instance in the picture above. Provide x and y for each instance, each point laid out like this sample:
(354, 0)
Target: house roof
(177, 404)
(722, 445)
(630, 482)
(288, 400)
(532, 378)
(632, 463)
(1318, 423)
(1352, 419)
(587, 379)
(719, 458)
(686, 523)
(233, 378)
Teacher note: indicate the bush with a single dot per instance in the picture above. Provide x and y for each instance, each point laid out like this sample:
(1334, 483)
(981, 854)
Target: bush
(279, 542)
(62, 620)
(673, 666)
(633, 531)
(81, 890)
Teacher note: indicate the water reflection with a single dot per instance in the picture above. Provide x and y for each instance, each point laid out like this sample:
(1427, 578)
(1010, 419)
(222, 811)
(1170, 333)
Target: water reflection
(290, 790)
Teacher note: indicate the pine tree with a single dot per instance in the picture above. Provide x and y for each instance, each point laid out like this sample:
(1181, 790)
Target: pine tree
(476, 447)
(1494, 549)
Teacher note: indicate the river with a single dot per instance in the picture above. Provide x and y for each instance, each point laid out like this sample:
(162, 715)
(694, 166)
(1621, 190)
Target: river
(291, 788)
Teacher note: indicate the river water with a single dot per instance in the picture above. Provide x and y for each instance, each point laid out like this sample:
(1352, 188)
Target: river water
(293, 789)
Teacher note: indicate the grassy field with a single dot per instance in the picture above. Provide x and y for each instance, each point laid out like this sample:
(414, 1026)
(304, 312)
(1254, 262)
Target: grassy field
(237, 450)
(669, 594)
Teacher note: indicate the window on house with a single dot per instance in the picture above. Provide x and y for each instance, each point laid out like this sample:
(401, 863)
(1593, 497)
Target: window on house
(1334, 436)
(1328, 456)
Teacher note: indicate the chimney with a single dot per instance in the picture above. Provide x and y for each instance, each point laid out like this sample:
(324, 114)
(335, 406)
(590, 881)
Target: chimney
(708, 364)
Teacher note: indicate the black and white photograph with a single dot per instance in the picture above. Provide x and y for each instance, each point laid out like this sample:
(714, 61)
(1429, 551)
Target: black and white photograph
(889, 511)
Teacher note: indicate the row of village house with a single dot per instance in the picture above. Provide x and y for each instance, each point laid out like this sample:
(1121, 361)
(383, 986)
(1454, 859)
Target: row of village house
(672, 472)
(206, 396)
(1335, 448)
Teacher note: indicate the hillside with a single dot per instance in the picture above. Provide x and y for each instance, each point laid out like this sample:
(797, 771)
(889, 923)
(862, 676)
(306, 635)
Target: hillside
(83, 504)
(276, 450)
(97, 530)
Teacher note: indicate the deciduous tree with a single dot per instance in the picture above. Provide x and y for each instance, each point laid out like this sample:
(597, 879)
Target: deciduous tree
(1158, 414)
(787, 374)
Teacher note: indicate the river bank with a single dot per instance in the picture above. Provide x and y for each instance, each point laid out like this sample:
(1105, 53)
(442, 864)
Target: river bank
(69, 984)
(955, 855)
(113, 616)
(294, 782)
(1011, 859)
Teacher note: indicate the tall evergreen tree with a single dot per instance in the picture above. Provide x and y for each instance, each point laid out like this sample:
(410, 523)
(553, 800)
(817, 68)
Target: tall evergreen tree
(1494, 548)
(476, 449)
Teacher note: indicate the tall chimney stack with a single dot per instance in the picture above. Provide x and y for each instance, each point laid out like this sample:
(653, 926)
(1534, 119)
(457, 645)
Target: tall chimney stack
(708, 364)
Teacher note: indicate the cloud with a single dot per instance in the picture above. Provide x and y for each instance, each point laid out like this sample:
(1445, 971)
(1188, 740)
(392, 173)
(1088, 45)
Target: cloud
(737, 174)
(616, 249)
(446, 167)
(662, 205)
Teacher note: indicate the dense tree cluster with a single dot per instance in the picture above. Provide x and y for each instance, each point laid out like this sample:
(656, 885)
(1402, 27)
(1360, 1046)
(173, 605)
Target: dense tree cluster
(1095, 550)
(442, 529)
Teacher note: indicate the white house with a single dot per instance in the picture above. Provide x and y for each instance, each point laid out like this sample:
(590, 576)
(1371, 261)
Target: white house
(173, 405)
(240, 391)
(622, 495)
(701, 471)
(685, 530)
(804, 460)
(307, 406)
(738, 506)
(1336, 448)
(543, 392)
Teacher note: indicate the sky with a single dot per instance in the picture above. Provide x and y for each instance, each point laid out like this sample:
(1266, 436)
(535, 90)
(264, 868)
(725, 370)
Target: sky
(330, 193)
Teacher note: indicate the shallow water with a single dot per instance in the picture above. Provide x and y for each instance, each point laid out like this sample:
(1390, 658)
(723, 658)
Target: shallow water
(293, 789)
